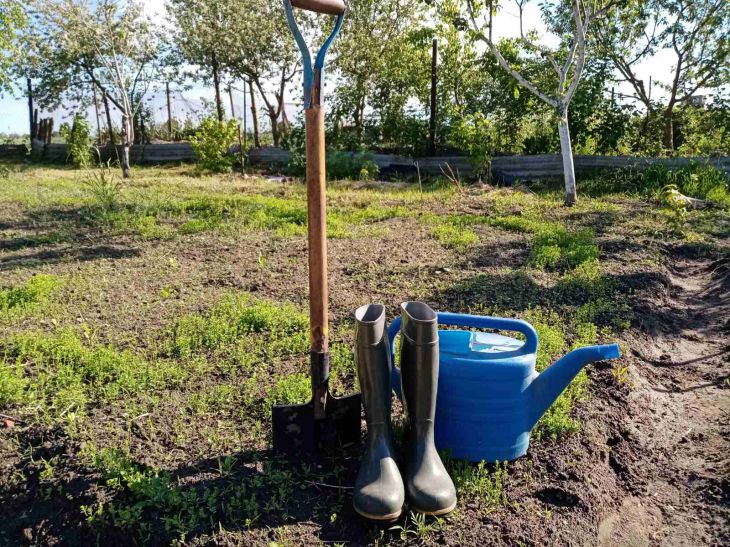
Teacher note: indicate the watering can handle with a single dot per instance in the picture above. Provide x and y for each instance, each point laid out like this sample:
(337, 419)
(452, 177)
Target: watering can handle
(471, 321)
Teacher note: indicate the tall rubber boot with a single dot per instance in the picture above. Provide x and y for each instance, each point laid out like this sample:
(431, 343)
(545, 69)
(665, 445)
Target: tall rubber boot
(378, 492)
(429, 487)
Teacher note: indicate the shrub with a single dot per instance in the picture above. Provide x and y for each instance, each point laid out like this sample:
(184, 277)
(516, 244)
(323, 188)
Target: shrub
(211, 143)
(346, 165)
(696, 180)
(78, 139)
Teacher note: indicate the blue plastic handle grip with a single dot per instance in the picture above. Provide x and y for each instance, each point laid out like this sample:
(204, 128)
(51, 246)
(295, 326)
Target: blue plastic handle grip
(476, 322)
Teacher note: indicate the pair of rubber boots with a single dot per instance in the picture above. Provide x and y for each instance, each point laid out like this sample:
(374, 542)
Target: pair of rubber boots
(379, 491)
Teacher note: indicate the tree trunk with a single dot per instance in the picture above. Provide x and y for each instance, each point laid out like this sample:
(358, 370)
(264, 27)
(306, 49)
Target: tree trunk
(254, 115)
(274, 127)
(669, 128)
(127, 138)
(109, 125)
(217, 84)
(566, 151)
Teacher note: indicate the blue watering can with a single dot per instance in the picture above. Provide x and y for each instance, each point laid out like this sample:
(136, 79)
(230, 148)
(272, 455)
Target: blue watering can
(489, 394)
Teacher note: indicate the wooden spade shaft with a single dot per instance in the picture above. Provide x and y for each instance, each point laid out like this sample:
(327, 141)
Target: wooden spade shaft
(317, 228)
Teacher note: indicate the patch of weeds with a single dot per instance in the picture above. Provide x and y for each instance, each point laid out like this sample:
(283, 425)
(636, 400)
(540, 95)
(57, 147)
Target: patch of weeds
(105, 190)
(553, 245)
(213, 399)
(620, 373)
(557, 420)
(418, 525)
(286, 328)
(62, 374)
(550, 248)
(289, 390)
(28, 296)
(480, 483)
(454, 237)
(152, 505)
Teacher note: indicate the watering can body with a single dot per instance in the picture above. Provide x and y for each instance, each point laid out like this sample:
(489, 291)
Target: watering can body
(489, 393)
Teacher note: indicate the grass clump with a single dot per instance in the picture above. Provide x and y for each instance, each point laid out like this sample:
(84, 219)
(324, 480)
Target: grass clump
(31, 294)
(480, 483)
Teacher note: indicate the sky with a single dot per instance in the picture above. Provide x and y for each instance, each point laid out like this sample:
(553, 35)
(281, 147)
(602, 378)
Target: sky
(14, 111)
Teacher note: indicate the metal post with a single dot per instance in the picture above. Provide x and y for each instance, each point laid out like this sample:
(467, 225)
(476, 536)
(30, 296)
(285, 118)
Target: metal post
(432, 121)
(96, 110)
(245, 130)
(30, 110)
(169, 111)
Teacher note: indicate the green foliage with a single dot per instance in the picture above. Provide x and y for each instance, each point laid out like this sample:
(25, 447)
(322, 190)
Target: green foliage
(211, 143)
(79, 141)
(282, 326)
(475, 134)
(30, 295)
(289, 390)
(697, 180)
(344, 165)
(676, 206)
(552, 244)
(12, 19)
(454, 236)
(62, 374)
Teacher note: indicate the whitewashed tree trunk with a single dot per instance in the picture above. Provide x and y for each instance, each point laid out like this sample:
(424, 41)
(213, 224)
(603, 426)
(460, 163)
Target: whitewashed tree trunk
(127, 139)
(566, 151)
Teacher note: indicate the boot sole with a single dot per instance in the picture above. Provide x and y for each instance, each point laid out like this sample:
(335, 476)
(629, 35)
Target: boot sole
(379, 518)
(437, 513)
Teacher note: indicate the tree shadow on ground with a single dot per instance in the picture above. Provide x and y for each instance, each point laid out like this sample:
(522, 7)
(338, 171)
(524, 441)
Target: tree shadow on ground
(59, 234)
(67, 254)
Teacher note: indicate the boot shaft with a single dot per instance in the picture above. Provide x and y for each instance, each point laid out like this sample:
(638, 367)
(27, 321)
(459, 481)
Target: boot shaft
(419, 365)
(374, 366)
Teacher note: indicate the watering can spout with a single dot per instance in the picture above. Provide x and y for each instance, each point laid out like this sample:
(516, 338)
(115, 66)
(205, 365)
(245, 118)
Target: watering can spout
(549, 384)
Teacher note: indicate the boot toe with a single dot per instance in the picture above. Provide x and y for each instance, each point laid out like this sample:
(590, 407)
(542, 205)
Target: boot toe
(432, 494)
(380, 498)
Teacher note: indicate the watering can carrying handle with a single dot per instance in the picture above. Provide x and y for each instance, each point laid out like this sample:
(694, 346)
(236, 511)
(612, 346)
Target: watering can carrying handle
(470, 321)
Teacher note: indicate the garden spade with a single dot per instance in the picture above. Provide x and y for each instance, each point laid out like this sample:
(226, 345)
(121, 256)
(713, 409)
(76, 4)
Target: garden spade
(325, 422)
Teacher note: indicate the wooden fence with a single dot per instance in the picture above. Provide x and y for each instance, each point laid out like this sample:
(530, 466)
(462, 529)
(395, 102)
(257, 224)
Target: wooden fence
(504, 168)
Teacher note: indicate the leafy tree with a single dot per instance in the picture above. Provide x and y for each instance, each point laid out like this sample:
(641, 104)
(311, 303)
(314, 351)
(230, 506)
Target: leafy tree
(265, 53)
(108, 43)
(12, 19)
(203, 36)
(382, 60)
(694, 31)
(557, 83)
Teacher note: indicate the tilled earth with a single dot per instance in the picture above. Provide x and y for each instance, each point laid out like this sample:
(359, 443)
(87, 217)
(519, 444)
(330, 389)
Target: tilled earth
(649, 465)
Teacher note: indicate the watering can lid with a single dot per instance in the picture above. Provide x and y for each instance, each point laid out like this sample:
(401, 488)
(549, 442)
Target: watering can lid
(479, 345)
